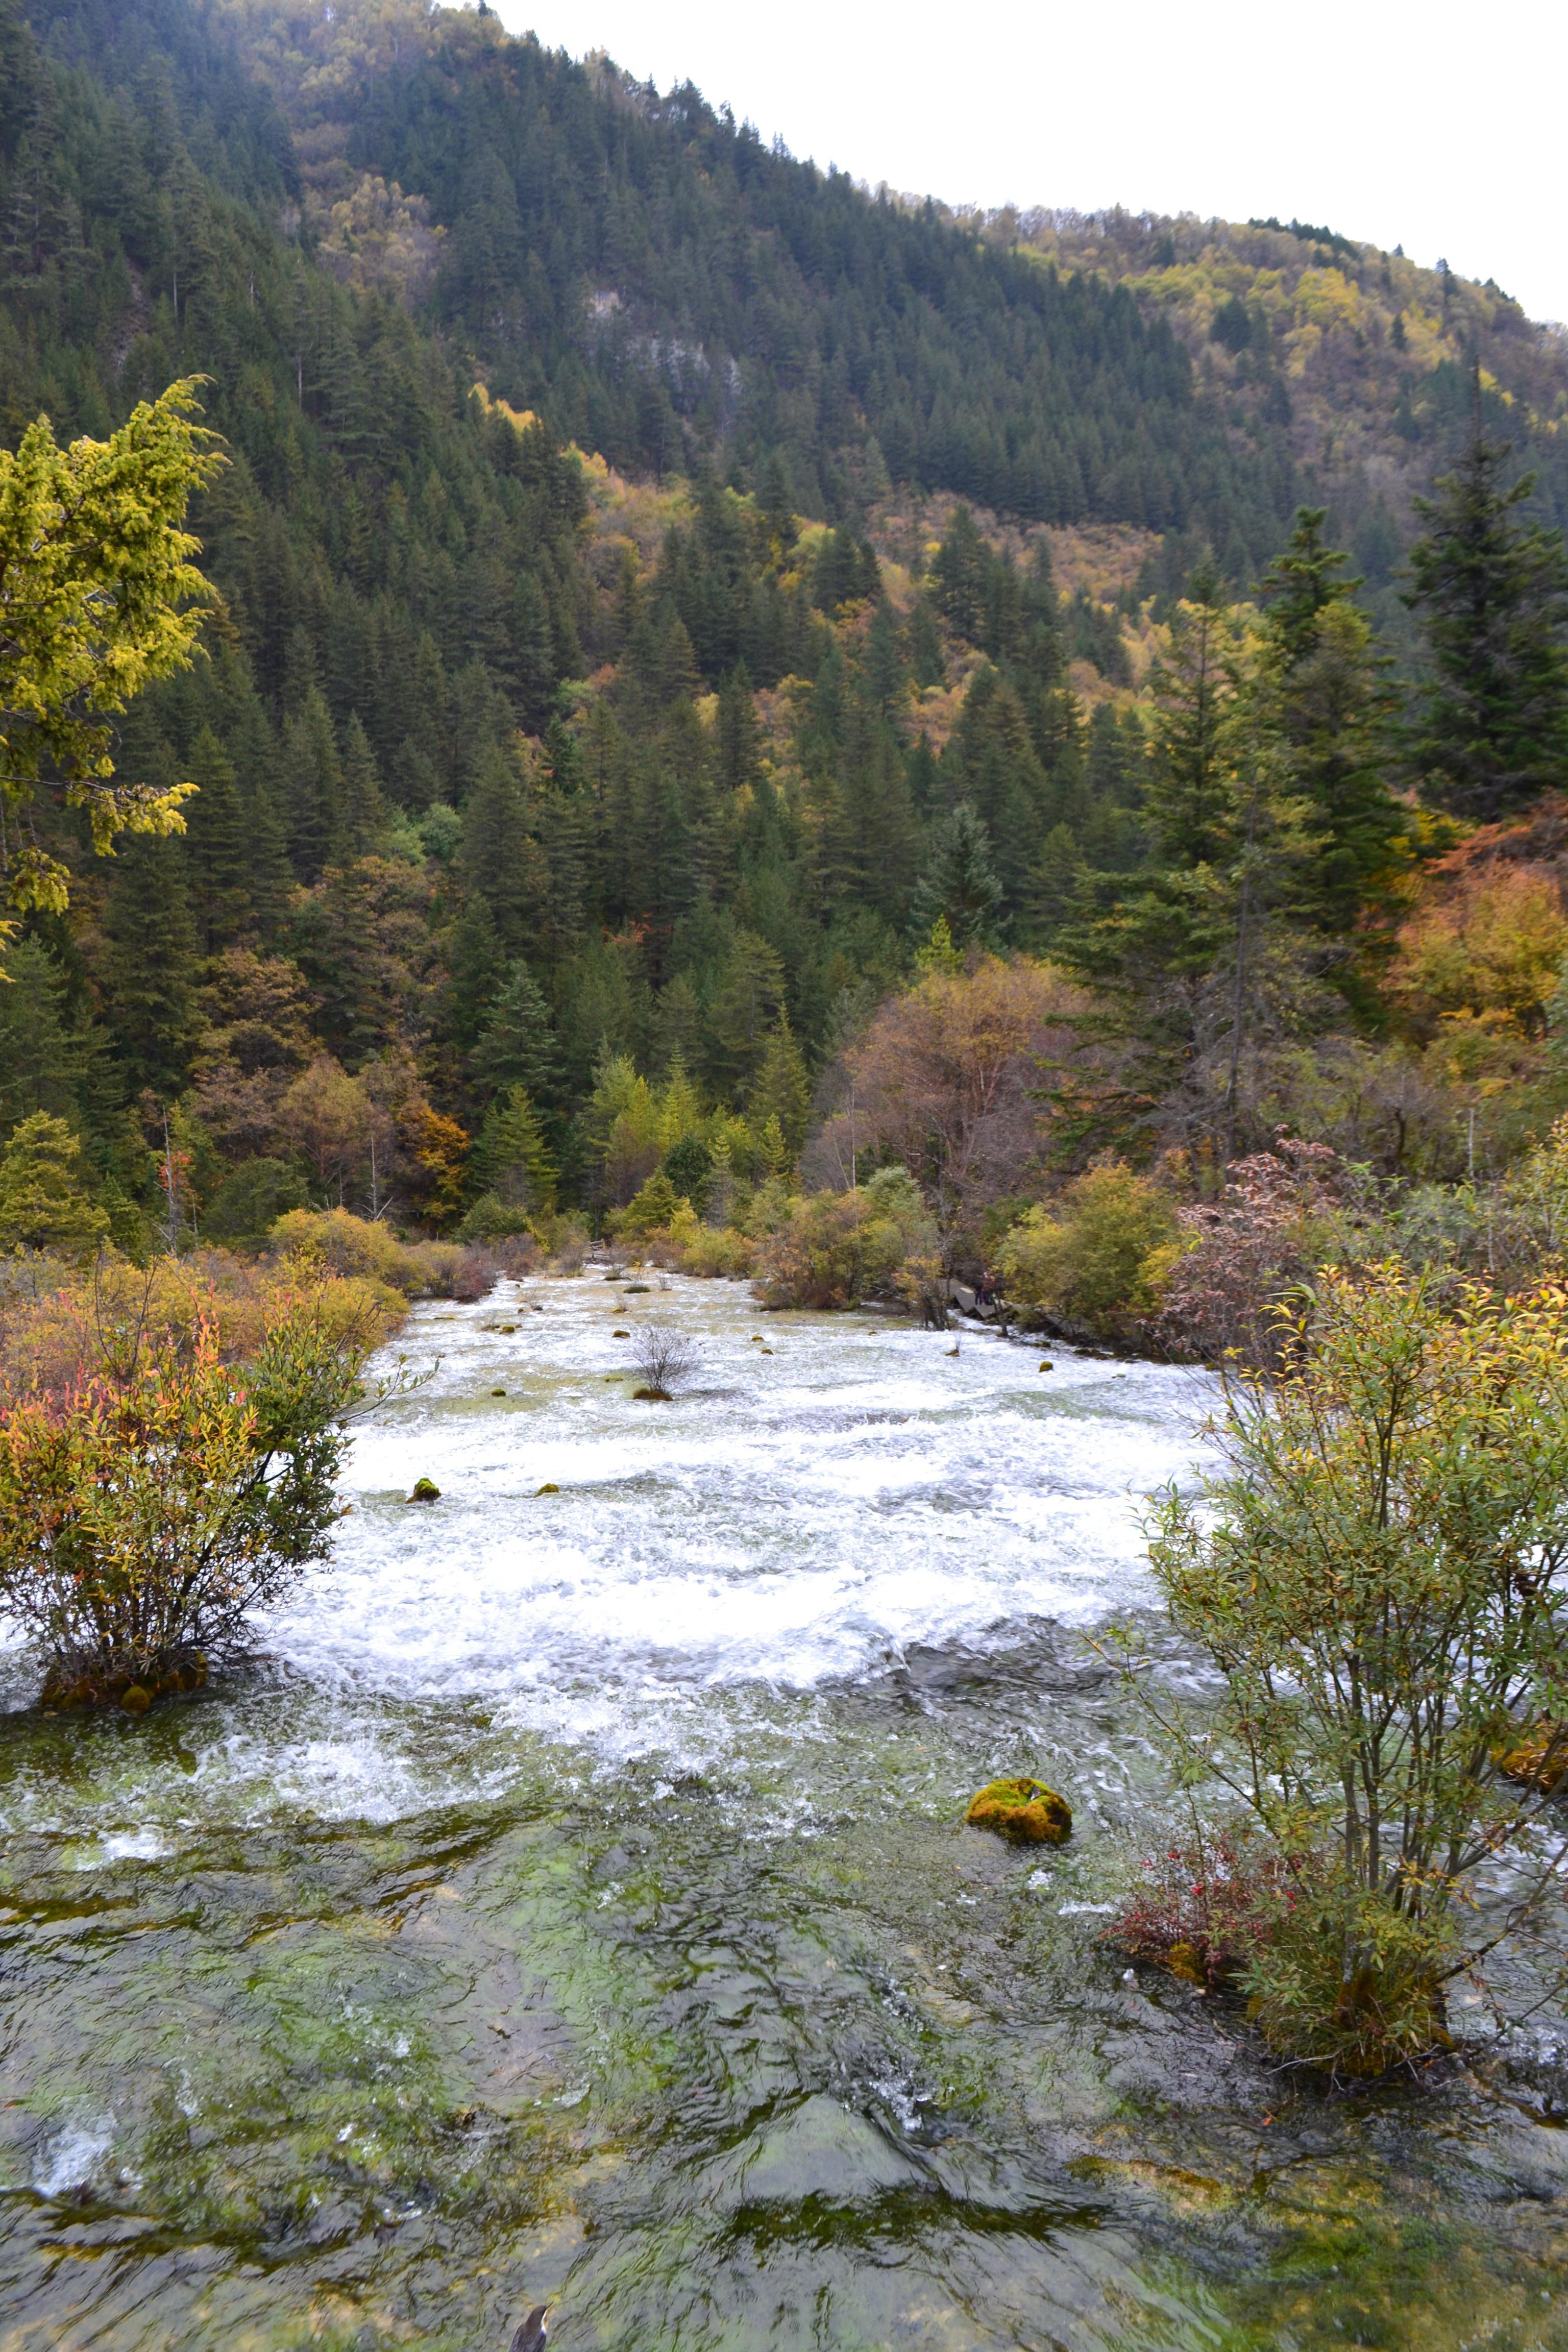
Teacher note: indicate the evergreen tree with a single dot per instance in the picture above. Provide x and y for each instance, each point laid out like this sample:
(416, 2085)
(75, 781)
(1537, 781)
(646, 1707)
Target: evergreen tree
(1324, 687)
(1492, 594)
(314, 789)
(515, 1044)
(152, 967)
(781, 1090)
(1188, 805)
(364, 811)
(510, 1158)
(39, 1054)
(219, 849)
(959, 885)
(42, 1204)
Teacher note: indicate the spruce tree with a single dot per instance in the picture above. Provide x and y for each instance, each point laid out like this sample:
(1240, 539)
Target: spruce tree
(781, 1088)
(959, 884)
(219, 849)
(1490, 591)
(1323, 687)
(151, 970)
(364, 811)
(515, 1044)
(38, 1054)
(511, 1157)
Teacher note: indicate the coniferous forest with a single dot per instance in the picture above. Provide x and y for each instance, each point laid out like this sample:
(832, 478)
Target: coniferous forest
(660, 589)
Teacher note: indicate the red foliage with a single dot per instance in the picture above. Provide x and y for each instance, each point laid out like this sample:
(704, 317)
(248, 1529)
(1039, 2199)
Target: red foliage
(1201, 1907)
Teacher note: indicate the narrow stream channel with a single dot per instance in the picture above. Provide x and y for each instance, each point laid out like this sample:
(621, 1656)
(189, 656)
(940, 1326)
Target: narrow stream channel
(572, 1904)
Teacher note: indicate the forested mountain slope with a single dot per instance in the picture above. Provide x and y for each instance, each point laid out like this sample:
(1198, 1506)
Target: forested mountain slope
(607, 677)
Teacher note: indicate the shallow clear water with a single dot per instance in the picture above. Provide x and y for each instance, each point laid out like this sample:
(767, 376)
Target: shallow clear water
(572, 1902)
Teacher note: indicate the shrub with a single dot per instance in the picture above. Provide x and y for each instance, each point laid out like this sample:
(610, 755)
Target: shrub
(347, 1245)
(1090, 1259)
(666, 1358)
(493, 1220)
(1376, 1571)
(56, 1335)
(145, 1511)
(1202, 1906)
(1218, 1293)
(833, 1248)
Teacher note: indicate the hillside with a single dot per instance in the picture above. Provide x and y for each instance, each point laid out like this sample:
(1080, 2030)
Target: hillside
(635, 548)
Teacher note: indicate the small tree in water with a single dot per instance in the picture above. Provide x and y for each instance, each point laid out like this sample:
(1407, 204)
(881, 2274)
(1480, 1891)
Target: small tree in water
(1377, 1570)
(145, 1510)
(666, 1359)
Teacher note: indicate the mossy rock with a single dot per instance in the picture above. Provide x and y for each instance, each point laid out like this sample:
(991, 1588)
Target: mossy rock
(1025, 1810)
(549, 1487)
(620, 1334)
(425, 1491)
(1046, 1365)
(71, 1689)
(1540, 1760)
(498, 1392)
(650, 1396)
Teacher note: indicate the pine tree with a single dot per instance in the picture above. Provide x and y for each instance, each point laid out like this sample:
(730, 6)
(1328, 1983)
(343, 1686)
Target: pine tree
(1491, 592)
(960, 883)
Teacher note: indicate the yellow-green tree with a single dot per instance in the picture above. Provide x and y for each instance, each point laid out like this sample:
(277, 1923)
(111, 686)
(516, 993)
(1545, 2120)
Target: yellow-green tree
(43, 1205)
(98, 596)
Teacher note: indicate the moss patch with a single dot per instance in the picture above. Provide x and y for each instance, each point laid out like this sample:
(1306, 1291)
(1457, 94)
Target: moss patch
(1024, 1811)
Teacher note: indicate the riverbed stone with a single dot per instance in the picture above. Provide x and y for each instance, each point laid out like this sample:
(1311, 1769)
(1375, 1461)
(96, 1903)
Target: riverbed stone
(1024, 1811)
(823, 2150)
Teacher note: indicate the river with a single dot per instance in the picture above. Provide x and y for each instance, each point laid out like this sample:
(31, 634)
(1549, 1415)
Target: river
(572, 1904)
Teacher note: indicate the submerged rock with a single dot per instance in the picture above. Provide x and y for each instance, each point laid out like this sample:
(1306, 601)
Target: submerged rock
(72, 1688)
(620, 1334)
(425, 1491)
(1025, 1810)
(650, 1396)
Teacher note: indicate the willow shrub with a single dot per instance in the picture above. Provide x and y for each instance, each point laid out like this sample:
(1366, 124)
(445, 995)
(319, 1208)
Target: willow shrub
(1376, 1569)
(149, 1507)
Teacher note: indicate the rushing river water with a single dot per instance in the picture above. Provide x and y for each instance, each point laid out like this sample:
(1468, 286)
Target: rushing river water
(572, 1905)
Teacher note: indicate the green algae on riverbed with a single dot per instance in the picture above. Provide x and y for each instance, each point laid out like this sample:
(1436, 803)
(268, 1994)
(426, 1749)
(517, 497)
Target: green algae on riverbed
(343, 2011)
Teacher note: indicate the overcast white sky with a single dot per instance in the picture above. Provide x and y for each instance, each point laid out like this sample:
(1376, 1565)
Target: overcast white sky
(1430, 126)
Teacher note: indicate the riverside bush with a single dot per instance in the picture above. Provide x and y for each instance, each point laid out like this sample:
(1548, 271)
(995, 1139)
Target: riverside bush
(833, 1248)
(1095, 1257)
(152, 1502)
(1376, 1570)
